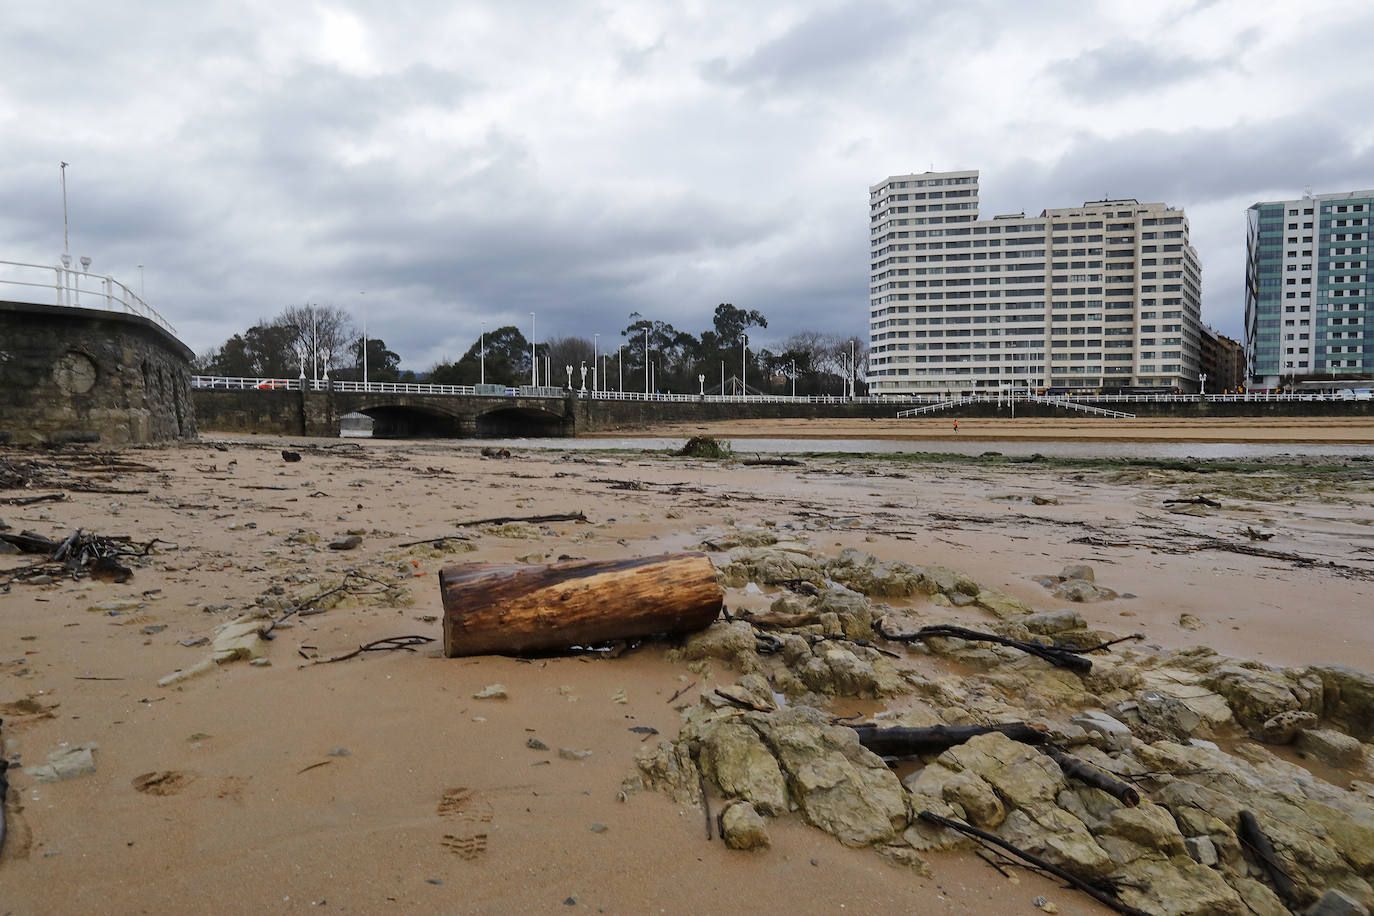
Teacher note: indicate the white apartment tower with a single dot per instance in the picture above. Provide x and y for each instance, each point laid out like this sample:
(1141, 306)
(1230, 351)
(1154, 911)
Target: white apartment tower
(1101, 296)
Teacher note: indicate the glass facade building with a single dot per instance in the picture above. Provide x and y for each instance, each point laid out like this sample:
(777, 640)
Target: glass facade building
(1308, 299)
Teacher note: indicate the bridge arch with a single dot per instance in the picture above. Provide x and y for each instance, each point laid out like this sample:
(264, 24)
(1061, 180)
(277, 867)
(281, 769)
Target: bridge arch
(520, 421)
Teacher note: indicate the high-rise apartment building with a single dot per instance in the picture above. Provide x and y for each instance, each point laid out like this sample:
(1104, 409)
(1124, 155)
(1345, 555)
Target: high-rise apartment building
(1309, 302)
(1105, 295)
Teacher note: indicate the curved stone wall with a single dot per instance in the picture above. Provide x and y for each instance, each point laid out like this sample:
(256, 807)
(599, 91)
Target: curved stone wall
(83, 375)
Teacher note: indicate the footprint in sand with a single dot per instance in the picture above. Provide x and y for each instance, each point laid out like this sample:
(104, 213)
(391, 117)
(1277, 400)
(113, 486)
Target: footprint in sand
(163, 782)
(470, 814)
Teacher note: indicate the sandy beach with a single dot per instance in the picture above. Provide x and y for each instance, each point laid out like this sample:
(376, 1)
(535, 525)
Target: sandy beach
(380, 784)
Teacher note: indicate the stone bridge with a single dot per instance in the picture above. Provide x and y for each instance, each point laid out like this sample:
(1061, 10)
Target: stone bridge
(465, 416)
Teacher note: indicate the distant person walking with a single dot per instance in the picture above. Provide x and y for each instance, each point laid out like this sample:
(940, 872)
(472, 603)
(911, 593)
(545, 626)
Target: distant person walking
(956, 426)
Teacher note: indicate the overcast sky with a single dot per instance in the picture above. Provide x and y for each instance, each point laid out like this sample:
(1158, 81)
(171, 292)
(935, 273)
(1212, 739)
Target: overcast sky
(452, 162)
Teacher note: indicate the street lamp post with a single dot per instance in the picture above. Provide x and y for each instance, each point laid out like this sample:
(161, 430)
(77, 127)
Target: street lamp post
(584, 376)
(568, 369)
(646, 362)
(620, 367)
(534, 362)
(362, 293)
(743, 368)
(596, 354)
(701, 380)
(482, 358)
(1202, 384)
(85, 268)
(141, 293)
(794, 378)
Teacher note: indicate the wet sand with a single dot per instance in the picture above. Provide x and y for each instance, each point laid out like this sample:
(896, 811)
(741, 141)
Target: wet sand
(1355, 430)
(381, 784)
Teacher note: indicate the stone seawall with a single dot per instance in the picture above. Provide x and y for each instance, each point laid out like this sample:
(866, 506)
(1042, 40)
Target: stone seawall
(85, 375)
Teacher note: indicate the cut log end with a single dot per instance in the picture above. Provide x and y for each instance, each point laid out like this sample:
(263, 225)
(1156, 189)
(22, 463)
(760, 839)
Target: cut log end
(515, 609)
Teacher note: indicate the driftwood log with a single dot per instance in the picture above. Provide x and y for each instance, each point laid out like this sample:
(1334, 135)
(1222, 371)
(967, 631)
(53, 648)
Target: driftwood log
(912, 742)
(495, 609)
(1058, 656)
(1090, 775)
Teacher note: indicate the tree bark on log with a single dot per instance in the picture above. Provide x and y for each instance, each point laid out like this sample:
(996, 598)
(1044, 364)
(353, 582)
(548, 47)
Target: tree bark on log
(1248, 829)
(510, 609)
(912, 742)
(1090, 775)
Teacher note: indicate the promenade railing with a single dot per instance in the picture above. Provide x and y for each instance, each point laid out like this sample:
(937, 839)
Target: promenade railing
(53, 284)
(526, 391)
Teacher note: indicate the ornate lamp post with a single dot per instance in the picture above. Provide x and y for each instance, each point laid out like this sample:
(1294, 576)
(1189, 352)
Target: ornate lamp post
(701, 381)
(568, 369)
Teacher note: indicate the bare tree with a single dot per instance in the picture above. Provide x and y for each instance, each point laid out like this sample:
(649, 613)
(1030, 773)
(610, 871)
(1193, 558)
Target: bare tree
(320, 328)
(570, 351)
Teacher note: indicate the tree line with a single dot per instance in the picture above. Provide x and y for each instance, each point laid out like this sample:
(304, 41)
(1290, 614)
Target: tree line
(647, 351)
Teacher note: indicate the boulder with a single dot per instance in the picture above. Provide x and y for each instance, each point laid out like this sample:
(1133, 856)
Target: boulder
(1077, 571)
(1179, 887)
(1059, 838)
(1284, 727)
(1150, 826)
(742, 827)
(732, 642)
(1331, 747)
(1255, 694)
(1347, 698)
(1021, 776)
(840, 786)
(1166, 713)
(982, 807)
(734, 757)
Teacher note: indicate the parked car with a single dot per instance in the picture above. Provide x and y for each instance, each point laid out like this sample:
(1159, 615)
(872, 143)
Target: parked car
(272, 383)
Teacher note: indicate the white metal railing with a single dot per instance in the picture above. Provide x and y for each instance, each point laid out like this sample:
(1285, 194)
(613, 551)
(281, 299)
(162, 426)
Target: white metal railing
(1083, 408)
(64, 286)
(924, 403)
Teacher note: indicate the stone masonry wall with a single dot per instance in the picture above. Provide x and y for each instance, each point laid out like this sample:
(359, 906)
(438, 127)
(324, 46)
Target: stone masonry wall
(83, 375)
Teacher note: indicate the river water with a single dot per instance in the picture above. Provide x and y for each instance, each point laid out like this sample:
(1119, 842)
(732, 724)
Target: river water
(1049, 448)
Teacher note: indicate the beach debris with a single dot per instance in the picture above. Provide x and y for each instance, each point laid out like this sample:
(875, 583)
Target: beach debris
(1100, 890)
(1190, 621)
(79, 555)
(568, 753)
(349, 542)
(489, 451)
(67, 763)
(501, 520)
(773, 462)
(900, 741)
(491, 692)
(1059, 656)
(388, 644)
(490, 608)
(289, 456)
(1193, 501)
(1262, 849)
(535, 744)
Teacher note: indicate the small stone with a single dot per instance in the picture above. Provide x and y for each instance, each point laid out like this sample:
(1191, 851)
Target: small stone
(339, 752)
(346, 543)
(1202, 850)
(261, 662)
(153, 629)
(1077, 571)
(1190, 621)
(115, 607)
(1113, 735)
(620, 696)
(597, 827)
(570, 754)
(743, 828)
(436, 881)
(198, 641)
(491, 692)
(65, 764)
(535, 744)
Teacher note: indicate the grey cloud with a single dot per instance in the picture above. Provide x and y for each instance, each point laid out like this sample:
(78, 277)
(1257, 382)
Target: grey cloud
(835, 40)
(1124, 69)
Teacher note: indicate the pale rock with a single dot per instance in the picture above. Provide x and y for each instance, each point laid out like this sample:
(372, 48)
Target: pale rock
(1021, 776)
(67, 763)
(903, 856)
(742, 827)
(1258, 897)
(732, 642)
(1331, 747)
(1348, 698)
(1111, 732)
(1077, 591)
(1078, 571)
(1051, 622)
(1148, 825)
(1254, 694)
(1000, 604)
(1167, 713)
(982, 807)
(734, 757)
(1284, 727)
(1336, 903)
(840, 786)
(491, 692)
(1190, 622)
(1179, 887)
(1202, 850)
(1058, 837)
